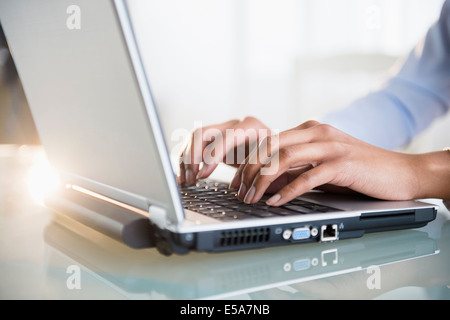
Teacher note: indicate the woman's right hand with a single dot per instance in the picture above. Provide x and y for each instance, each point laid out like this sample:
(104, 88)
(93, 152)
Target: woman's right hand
(229, 142)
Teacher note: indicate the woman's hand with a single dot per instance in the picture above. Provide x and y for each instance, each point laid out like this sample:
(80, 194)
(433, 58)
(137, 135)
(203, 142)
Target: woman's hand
(228, 142)
(313, 155)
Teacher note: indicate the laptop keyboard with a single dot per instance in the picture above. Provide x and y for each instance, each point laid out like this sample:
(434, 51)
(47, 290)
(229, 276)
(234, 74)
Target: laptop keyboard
(215, 200)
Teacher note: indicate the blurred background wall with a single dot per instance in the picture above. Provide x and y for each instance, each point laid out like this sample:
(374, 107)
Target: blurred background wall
(282, 61)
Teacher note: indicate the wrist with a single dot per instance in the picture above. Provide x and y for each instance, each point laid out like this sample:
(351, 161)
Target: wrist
(433, 172)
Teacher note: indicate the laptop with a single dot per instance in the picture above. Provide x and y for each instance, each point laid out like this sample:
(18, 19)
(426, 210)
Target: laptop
(89, 95)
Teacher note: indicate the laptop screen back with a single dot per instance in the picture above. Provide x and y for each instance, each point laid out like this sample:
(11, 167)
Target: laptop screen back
(90, 111)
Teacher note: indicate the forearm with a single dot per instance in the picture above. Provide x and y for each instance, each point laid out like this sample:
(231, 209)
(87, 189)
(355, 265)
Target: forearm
(433, 172)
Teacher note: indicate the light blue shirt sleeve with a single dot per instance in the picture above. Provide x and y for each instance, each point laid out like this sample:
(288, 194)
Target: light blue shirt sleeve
(409, 101)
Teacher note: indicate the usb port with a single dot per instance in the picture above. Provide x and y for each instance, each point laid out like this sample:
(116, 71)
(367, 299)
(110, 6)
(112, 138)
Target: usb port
(329, 232)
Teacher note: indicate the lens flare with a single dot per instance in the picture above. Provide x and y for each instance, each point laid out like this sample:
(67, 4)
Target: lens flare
(41, 180)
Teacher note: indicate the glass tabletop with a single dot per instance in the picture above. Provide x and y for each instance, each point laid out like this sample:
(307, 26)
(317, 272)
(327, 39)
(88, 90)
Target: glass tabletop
(42, 258)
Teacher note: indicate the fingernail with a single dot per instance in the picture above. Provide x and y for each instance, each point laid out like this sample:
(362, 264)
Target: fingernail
(200, 173)
(242, 191)
(273, 199)
(235, 182)
(190, 177)
(249, 196)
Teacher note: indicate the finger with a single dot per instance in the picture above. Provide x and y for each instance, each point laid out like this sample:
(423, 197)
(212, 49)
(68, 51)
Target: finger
(236, 181)
(286, 178)
(191, 157)
(231, 146)
(271, 142)
(297, 156)
(213, 135)
(193, 152)
(252, 167)
(257, 158)
(305, 182)
(271, 150)
(181, 178)
(310, 131)
(271, 145)
(306, 125)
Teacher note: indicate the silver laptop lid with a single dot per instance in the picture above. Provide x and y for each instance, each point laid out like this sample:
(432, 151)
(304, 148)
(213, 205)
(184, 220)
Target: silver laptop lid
(90, 99)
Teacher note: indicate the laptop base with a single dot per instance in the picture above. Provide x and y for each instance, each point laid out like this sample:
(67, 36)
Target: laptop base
(136, 230)
(71, 207)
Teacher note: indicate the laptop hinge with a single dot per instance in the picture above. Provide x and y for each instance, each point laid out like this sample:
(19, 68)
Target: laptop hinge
(167, 242)
(158, 216)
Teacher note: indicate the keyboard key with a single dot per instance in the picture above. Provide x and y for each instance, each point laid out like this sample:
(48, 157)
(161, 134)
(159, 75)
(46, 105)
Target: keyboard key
(263, 214)
(239, 215)
(299, 209)
(317, 207)
(262, 206)
(299, 202)
(282, 211)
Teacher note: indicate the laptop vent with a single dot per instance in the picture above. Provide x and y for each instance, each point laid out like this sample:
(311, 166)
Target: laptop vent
(244, 236)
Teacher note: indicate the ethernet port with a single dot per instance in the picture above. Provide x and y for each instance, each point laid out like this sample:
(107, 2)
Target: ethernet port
(329, 232)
